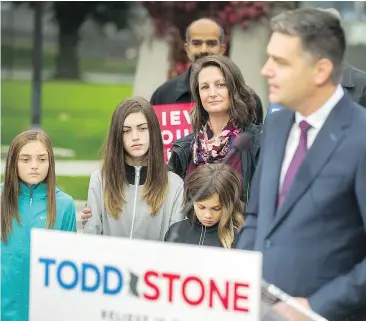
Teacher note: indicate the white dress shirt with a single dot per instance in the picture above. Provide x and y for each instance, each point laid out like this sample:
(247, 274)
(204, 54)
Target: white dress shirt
(316, 120)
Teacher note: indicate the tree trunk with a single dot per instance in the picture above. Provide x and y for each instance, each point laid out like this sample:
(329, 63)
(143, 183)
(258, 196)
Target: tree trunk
(67, 61)
(37, 65)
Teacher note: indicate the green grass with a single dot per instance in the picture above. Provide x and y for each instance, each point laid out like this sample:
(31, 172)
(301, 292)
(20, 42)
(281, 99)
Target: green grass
(75, 115)
(76, 186)
(21, 58)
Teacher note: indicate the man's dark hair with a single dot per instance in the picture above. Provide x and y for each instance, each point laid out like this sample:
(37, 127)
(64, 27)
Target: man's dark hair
(320, 32)
(221, 36)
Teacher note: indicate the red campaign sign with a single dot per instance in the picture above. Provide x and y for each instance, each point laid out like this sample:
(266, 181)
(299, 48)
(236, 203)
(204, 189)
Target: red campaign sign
(174, 122)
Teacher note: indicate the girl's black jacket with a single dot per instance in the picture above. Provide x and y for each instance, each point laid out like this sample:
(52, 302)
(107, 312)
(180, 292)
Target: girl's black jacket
(196, 233)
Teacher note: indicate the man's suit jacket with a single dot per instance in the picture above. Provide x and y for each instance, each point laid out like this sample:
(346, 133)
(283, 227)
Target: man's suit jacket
(354, 81)
(314, 246)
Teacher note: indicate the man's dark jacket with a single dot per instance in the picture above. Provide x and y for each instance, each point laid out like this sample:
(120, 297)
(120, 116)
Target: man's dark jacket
(354, 81)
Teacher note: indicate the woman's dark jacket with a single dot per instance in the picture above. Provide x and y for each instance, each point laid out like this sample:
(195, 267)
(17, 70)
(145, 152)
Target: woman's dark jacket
(182, 155)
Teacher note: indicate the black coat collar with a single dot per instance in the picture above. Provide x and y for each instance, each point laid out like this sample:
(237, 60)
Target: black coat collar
(131, 172)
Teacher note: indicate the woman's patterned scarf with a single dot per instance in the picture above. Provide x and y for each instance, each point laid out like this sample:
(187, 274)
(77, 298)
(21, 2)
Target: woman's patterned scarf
(209, 149)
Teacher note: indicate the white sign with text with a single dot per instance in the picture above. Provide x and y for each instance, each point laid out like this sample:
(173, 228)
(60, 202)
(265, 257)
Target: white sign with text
(78, 277)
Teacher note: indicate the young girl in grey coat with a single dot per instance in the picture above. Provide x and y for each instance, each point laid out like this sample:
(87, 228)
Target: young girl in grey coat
(134, 195)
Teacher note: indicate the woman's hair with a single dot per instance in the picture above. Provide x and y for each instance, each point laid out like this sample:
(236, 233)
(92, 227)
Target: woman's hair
(113, 160)
(10, 189)
(242, 101)
(227, 185)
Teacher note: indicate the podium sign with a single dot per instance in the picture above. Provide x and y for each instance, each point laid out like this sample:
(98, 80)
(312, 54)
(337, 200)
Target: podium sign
(175, 123)
(78, 277)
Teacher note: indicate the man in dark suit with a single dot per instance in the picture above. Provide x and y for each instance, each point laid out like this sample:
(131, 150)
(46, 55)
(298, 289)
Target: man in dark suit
(307, 208)
(353, 79)
(204, 37)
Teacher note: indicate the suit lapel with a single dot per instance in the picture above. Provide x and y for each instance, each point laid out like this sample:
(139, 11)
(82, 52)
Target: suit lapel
(320, 152)
(274, 150)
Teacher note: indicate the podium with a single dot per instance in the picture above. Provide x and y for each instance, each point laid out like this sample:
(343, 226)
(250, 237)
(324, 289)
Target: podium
(79, 277)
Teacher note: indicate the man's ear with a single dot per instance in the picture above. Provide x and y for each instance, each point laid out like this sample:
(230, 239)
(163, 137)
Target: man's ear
(323, 71)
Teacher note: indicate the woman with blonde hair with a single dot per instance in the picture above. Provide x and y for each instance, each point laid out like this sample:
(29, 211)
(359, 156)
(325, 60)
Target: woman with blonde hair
(216, 217)
(133, 195)
(29, 199)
